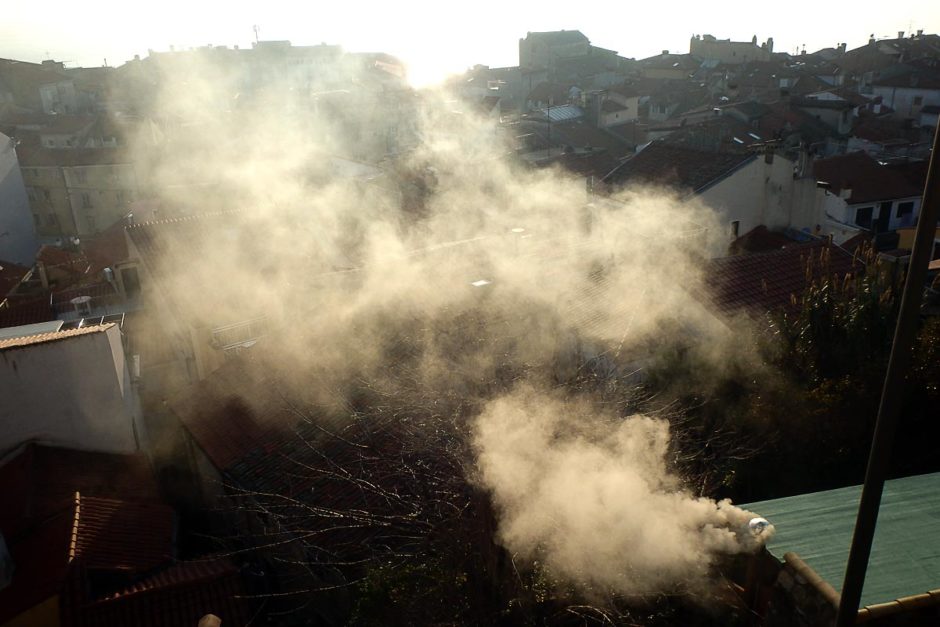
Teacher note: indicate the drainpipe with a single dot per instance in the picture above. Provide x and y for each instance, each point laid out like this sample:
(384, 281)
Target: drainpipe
(891, 395)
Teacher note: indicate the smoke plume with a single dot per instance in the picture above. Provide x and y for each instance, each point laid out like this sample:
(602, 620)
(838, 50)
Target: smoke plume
(592, 495)
(447, 272)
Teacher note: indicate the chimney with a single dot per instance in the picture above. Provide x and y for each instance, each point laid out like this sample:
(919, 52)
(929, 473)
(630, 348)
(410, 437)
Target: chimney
(665, 52)
(900, 34)
(842, 48)
(209, 620)
(920, 32)
(770, 44)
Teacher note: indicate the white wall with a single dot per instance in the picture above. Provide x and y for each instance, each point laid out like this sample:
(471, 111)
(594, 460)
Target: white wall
(901, 99)
(891, 205)
(18, 242)
(73, 392)
(766, 194)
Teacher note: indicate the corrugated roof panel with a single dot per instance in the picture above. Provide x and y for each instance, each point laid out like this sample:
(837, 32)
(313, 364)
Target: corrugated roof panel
(905, 558)
(564, 112)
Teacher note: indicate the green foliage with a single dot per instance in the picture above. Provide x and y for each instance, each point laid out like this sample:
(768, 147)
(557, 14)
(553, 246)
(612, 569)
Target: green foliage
(843, 325)
(792, 409)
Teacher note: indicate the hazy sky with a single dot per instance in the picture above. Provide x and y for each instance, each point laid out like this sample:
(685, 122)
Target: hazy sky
(436, 38)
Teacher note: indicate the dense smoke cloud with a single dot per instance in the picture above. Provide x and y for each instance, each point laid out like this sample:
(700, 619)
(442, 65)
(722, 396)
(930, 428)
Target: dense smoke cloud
(593, 496)
(451, 270)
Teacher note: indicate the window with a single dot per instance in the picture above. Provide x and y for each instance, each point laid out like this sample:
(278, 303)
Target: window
(120, 197)
(51, 219)
(905, 209)
(918, 100)
(81, 176)
(46, 194)
(86, 200)
(863, 217)
(37, 220)
(735, 227)
(91, 223)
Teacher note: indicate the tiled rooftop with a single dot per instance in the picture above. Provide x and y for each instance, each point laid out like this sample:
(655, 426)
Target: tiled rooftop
(677, 166)
(43, 338)
(869, 180)
(45, 526)
(115, 535)
(759, 282)
(41, 480)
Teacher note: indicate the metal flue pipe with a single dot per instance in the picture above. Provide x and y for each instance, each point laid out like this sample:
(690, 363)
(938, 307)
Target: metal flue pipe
(891, 395)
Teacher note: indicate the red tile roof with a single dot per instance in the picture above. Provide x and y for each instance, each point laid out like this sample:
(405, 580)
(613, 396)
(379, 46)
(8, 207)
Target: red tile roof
(178, 595)
(232, 413)
(41, 480)
(761, 282)
(115, 535)
(105, 535)
(49, 527)
(25, 309)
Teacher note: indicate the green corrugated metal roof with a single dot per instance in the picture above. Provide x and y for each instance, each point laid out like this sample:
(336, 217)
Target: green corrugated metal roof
(905, 556)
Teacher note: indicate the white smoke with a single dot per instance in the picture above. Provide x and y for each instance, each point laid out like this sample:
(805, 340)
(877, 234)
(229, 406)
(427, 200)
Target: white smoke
(593, 497)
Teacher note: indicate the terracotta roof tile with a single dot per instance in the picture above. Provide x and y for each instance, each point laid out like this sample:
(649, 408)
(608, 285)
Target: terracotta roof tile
(760, 282)
(231, 413)
(41, 480)
(42, 338)
(178, 595)
(18, 310)
(116, 535)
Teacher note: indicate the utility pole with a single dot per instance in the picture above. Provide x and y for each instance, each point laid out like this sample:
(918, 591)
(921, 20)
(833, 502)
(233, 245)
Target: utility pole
(891, 395)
